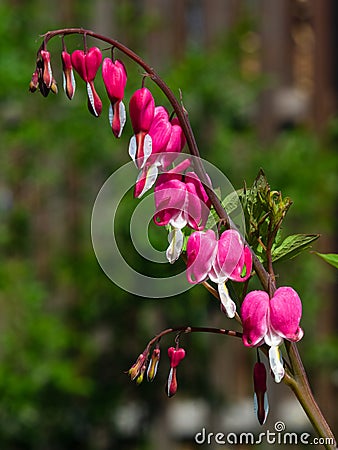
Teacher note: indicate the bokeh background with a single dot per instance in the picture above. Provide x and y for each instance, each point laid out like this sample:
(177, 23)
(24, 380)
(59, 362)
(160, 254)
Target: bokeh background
(259, 79)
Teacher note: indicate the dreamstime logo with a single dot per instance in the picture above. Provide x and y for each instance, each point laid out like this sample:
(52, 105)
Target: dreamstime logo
(117, 247)
(279, 436)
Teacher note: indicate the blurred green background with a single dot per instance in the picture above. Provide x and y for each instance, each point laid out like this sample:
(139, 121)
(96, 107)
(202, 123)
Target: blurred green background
(261, 88)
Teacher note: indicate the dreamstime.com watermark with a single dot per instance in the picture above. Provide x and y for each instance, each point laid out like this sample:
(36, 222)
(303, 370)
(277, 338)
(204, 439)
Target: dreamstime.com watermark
(277, 437)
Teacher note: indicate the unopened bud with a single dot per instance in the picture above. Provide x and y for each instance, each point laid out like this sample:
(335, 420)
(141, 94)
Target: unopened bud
(153, 364)
(261, 405)
(47, 75)
(53, 86)
(137, 367)
(140, 377)
(34, 83)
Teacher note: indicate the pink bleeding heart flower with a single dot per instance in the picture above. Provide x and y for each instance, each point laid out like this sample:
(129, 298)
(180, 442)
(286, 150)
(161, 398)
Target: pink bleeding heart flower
(69, 84)
(261, 405)
(168, 141)
(114, 76)
(270, 321)
(87, 64)
(141, 110)
(175, 355)
(219, 260)
(180, 201)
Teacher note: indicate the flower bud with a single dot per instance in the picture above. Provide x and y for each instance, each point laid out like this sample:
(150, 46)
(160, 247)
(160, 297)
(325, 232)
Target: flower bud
(141, 110)
(114, 77)
(153, 364)
(261, 405)
(137, 367)
(68, 75)
(34, 83)
(47, 75)
(140, 377)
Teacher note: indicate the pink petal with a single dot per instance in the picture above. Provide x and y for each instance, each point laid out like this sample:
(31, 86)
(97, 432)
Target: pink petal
(175, 355)
(254, 311)
(141, 110)
(198, 202)
(245, 262)
(285, 313)
(229, 254)
(169, 200)
(93, 60)
(78, 61)
(201, 252)
(115, 78)
(160, 129)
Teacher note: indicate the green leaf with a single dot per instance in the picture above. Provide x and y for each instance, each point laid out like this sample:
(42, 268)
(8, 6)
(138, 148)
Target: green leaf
(293, 245)
(330, 258)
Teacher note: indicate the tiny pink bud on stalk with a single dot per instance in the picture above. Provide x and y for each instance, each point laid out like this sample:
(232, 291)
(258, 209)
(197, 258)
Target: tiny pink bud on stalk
(68, 75)
(260, 396)
(175, 355)
(153, 364)
(114, 76)
(87, 64)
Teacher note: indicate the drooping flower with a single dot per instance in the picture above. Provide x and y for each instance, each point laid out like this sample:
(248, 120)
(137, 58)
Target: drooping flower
(175, 355)
(168, 141)
(180, 201)
(141, 110)
(270, 321)
(69, 84)
(114, 76)
(87, 64)
(261, 405)
(219, 260)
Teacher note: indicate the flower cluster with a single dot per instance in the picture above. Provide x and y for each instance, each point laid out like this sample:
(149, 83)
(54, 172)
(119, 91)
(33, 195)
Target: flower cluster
(157, 139)
(181, 200)
(149, 364)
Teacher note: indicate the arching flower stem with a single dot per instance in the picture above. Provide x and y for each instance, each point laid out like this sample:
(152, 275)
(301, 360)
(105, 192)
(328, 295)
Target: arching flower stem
(298, 381)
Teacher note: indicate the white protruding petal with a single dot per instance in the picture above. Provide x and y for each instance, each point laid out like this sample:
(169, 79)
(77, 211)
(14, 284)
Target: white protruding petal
(132, 148)
(227, 302)
(179, 221)
(147, 148)
(73, 82)
(276, 363)
(170, 377)
(111, 114)
(64, 82)
(151, 176)
(175, 238)
(123, 117)
(91, 98)
(272, 339)
(266, 406)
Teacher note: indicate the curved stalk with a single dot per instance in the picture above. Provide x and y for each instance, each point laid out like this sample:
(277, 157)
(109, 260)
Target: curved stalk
(297, 381)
